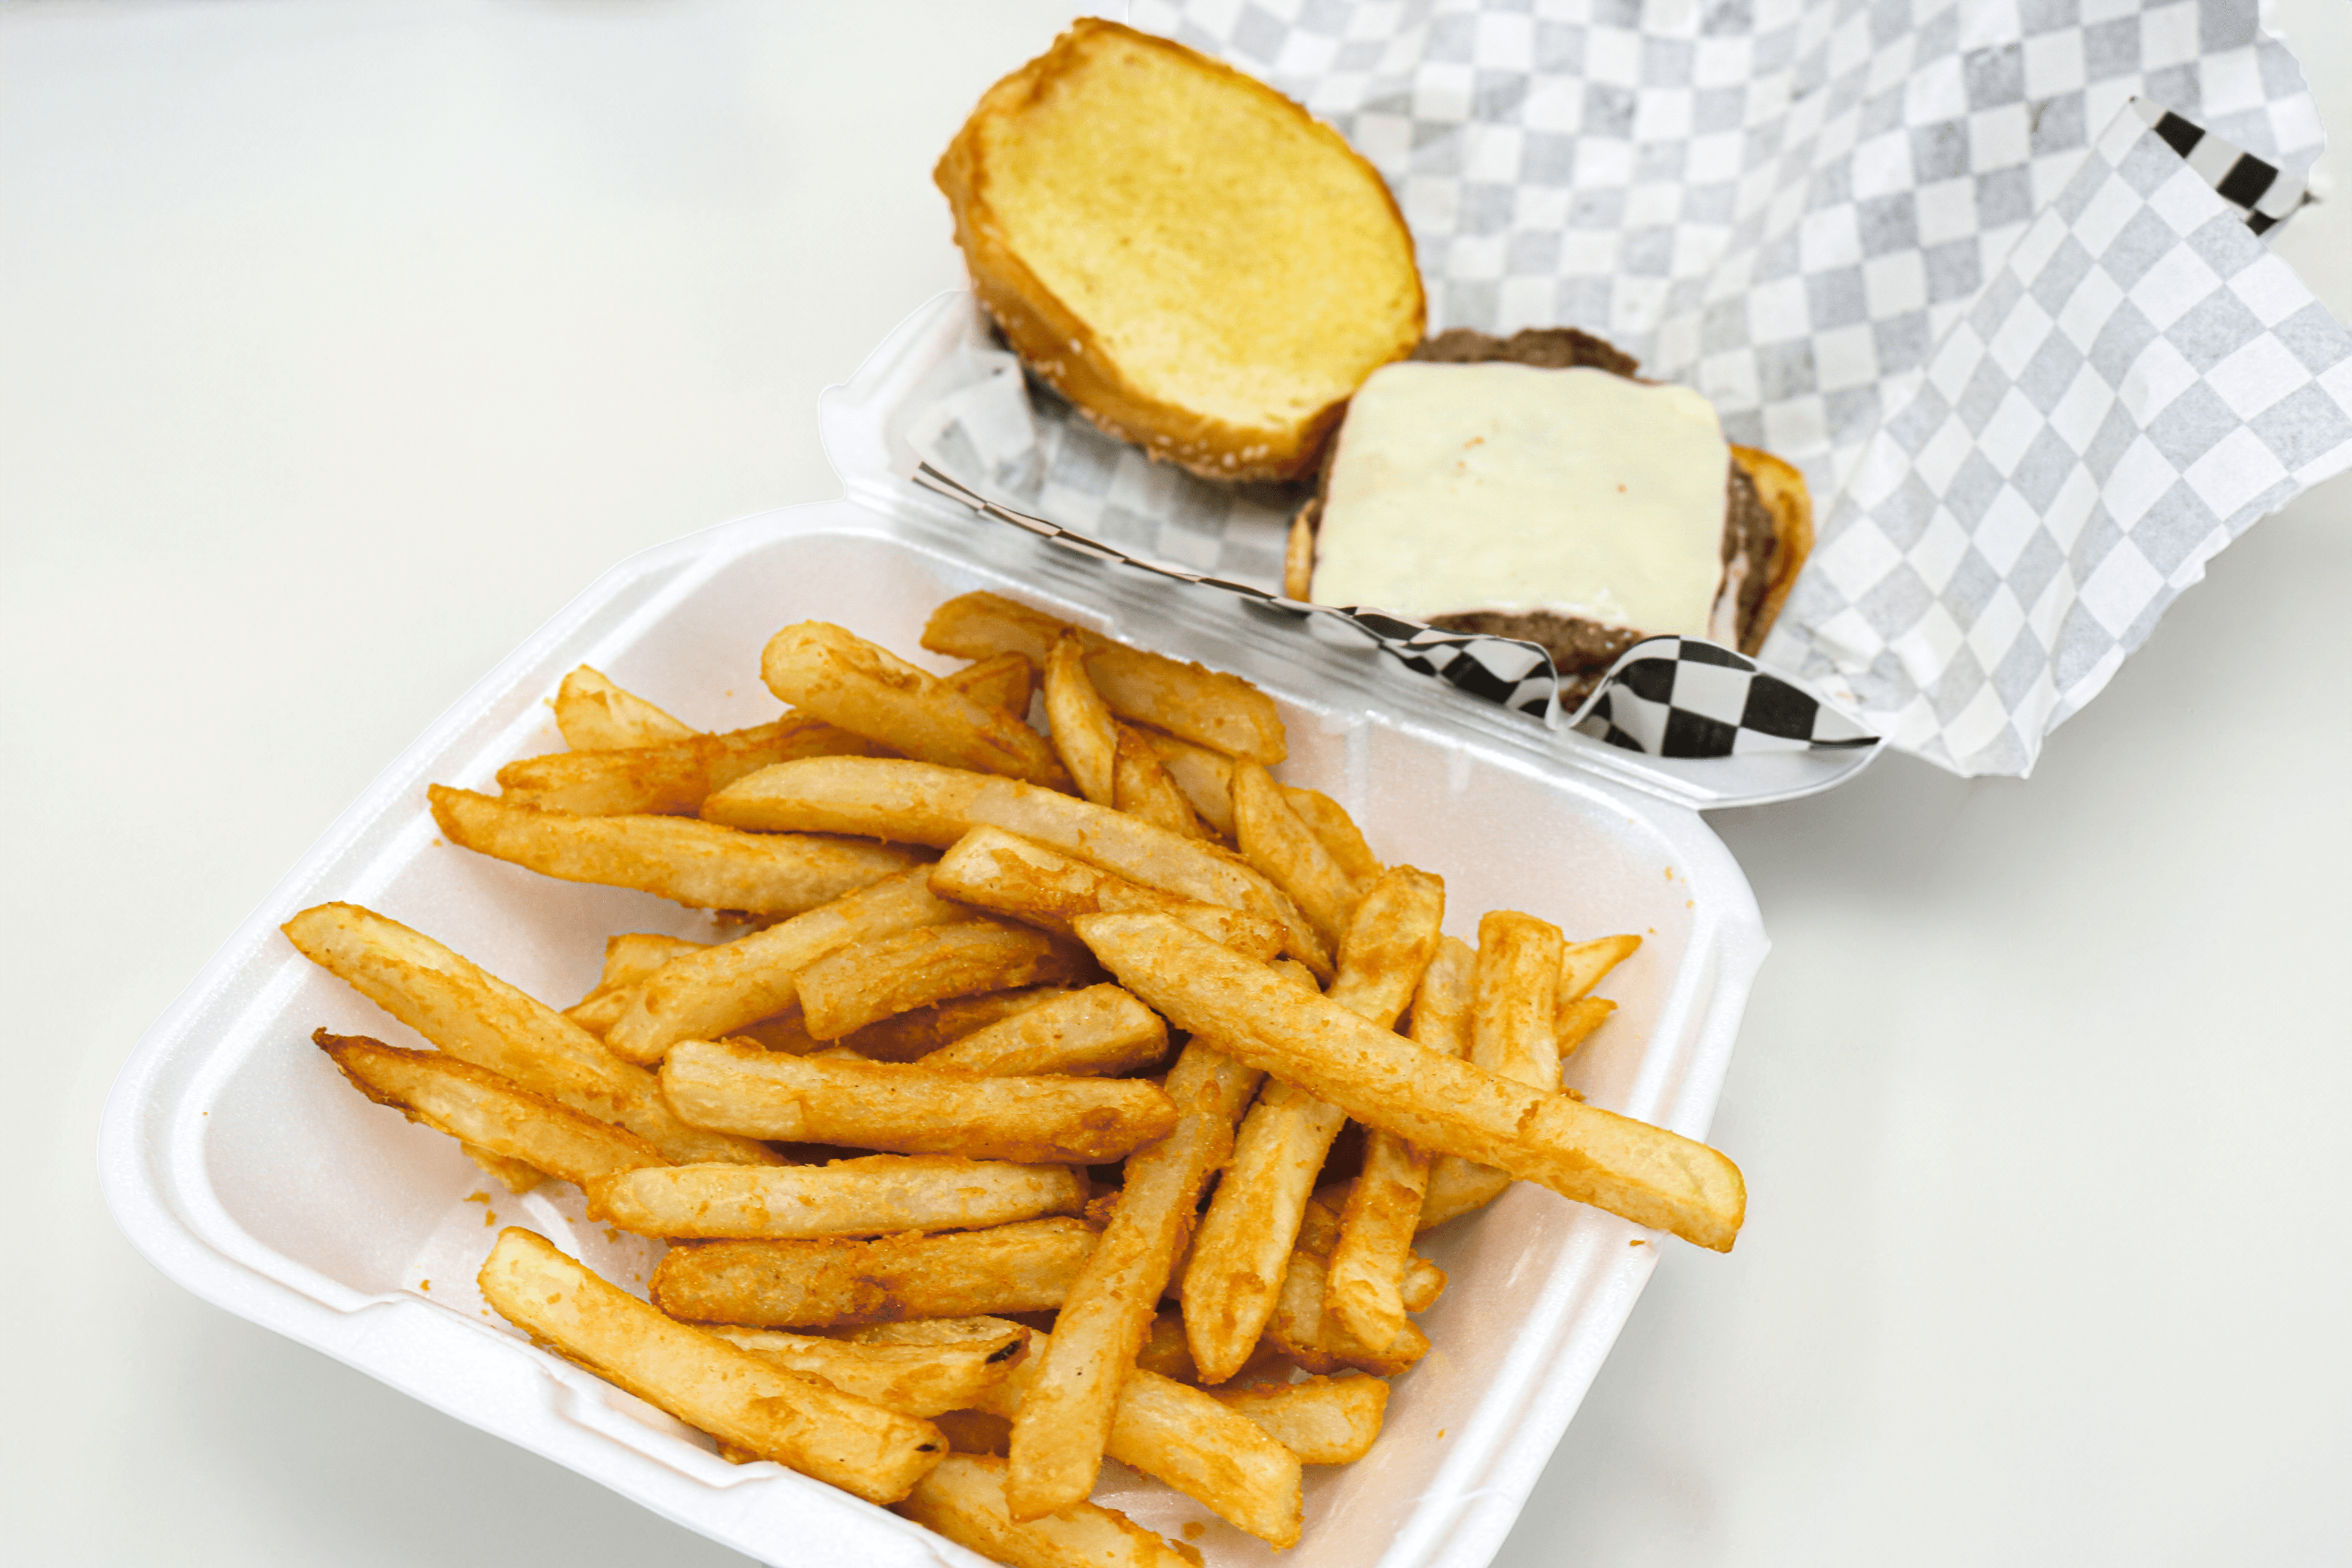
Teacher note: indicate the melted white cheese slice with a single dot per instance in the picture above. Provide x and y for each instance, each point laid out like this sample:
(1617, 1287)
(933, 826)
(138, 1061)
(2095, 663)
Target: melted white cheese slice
(1502, 486)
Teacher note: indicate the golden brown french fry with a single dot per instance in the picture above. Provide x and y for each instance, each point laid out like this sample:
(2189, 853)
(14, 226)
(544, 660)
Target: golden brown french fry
(881, 1194)
(517, 1178)
(799, 1422)
(1337, 832)
(1585, 964)
(963, 1500)
(1005, 680)
(1099, 1030)
(974, 1432)
(697, 864)
(1457, 1187)
(486, 1112)
(1174, 1434)
(859, 983)
(839, 677)
(671, 776)
(1324, 1420)
(912, 1036)
(1236, 1270)
(1022, 1267)
(1644, 1174)
(1420, 1282)
(1287, 850)
(1514, 1027)
(714, 991)
(1205, 777)
(1221, 712)
(1318, 1341)
(1081, 727)
(994, 870)
(1371, 1252)
(920, 1380)
(629, 959)
(479, 1018)
(919, 802)
(978, 1328)
(674, 775)
(1140, 786)
(913, 1109)
(1058, 1445)
(1163, 1349)
(1515, 1033)
(1578, 1019)
(597, 716)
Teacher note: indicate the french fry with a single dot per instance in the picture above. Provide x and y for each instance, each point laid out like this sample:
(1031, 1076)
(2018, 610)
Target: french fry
(490, 1113)
(714, 991)
(597, 716)
(1057, 1446)
(974, 1432)
(881, 1194)
(1204, 777)
(1585, 964)
(1278, 844)
(629, 959)
(919, 802)
(924, 1380)
(1082, 728)
(1100, 1030)
(1516, 1032)
(1304, 1332)
(836, 676)
(672, 776)
(1221, 712)
(1236, 1271)
(1640, 1173)
(1024, 1268)
(1418, 1283)
(859, 983)
(693, 862)
(1324, 1420)
(914, 1035)
(1374, 1243)
(479, 1018)
(1578, 1019)
(515, 1175)
(913, 1109)
(1175, 1433)
(963, 1500)
(676, 774)
(1457, 1187)
(797, 1420)
(1163, 1349)
(994, 870)
(1140, 786)
(1515, 1024)
(1337, 832)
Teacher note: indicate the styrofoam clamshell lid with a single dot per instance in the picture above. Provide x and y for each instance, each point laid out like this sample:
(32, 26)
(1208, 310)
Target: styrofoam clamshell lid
(237, 1160)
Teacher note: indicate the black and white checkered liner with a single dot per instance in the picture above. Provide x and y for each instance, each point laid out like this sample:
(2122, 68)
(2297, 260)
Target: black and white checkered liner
(2237, 177)
(1668, 697)
(2031, 356)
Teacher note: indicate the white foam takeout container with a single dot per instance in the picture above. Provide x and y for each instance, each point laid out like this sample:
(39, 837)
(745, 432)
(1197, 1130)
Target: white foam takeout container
(239, 1163)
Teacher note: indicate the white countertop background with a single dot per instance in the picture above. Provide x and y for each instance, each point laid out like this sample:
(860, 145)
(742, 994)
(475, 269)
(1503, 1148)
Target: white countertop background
(342, 343)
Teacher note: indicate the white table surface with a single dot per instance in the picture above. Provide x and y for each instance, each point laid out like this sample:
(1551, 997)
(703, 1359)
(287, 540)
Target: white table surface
(342, 343)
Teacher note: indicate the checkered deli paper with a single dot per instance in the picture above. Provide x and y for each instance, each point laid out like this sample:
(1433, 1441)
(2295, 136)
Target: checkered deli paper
(1990, 273)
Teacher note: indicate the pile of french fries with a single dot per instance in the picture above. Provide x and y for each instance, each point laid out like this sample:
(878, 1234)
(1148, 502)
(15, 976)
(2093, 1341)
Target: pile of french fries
(927, 1094)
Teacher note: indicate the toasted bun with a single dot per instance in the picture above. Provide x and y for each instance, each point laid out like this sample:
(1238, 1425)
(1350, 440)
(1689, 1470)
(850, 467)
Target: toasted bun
(1582, 650)
(1190, 258)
